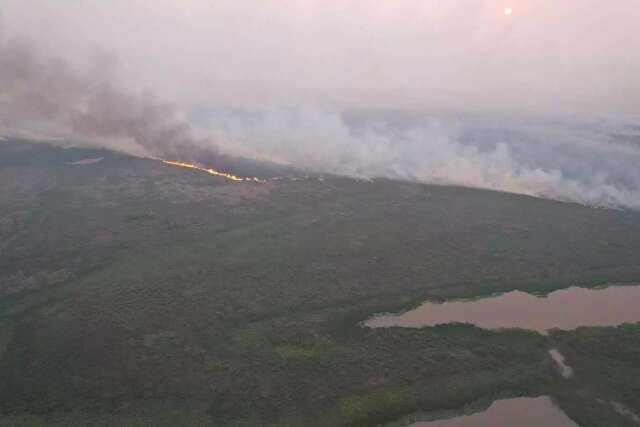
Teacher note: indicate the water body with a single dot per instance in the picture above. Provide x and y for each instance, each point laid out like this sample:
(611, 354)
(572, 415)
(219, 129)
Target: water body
(521, 412)
(621, 409)
(86, 161)
(564, 309)
(565, 370)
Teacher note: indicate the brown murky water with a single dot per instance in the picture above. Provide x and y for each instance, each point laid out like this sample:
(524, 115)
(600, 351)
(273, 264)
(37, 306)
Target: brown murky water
(520, 412)
(564, 309)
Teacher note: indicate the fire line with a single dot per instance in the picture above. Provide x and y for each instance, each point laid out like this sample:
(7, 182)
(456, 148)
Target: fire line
(228, 176)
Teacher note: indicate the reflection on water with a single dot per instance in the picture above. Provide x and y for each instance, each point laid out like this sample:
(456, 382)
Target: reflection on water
(520, 412)
(564, 309)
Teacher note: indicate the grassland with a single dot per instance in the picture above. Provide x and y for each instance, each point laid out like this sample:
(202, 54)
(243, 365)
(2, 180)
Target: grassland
(138, 294)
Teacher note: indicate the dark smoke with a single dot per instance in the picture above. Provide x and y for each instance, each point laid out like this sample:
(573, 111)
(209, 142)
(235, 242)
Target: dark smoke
(35, 89)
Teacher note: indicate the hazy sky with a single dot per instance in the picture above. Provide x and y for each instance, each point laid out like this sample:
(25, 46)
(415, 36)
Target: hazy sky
(273, 79)
(549, 56)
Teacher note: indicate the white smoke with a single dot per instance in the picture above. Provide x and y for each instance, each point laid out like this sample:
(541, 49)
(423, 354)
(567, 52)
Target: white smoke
(553, 59)
(553, 161)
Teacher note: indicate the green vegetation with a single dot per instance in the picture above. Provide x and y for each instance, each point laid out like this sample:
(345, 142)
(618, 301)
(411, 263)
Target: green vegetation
(6, 335)
(606, 362)
(138, 294)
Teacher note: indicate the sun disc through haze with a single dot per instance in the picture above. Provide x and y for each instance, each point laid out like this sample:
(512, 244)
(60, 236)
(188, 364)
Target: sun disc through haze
(565, 58)
(439, 92)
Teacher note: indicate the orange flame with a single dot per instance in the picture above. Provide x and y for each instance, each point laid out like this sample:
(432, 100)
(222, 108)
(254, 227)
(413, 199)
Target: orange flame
(212, 171)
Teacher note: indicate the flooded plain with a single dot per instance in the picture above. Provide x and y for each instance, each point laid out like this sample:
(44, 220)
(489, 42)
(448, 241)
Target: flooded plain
(564, 309)
(521, 412)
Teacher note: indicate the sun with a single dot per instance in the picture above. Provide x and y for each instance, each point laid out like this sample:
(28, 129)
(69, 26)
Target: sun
(508, 11)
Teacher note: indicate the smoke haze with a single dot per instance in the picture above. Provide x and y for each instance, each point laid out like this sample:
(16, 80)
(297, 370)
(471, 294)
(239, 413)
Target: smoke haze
(586, 165)
(46, 93)
(543, 102)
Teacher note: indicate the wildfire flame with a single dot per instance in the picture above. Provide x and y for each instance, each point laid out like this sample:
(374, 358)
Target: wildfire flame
(228, 176)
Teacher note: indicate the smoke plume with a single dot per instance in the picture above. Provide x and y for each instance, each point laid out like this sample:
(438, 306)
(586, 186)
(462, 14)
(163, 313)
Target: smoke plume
(585, 163)
(50, 94)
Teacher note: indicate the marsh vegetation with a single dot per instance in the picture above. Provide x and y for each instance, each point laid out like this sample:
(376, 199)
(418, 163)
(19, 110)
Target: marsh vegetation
(134, 294)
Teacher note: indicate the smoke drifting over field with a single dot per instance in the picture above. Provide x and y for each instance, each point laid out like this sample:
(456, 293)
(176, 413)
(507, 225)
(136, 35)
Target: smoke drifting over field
(235, 68)
(589, 165)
